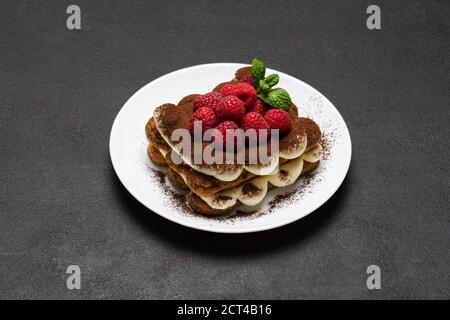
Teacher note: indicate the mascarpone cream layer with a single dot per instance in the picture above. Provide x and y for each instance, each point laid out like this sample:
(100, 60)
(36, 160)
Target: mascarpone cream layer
(230, 175)
(286, 174)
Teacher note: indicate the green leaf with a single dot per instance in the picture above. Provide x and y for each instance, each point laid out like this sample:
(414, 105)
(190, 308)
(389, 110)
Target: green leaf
(278, 98)
(262, 96)
(272, 80)
(258, 71)
(263, 86)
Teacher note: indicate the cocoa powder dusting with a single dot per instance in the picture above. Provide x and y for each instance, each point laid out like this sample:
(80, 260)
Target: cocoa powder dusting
(177, 199)
(221, 199)
(250, 190)
(236, 215)
(283, 174)
(327, 142)
(288, 198)
(160, 175)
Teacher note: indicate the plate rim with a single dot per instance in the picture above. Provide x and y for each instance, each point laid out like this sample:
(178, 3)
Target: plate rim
(250, 229)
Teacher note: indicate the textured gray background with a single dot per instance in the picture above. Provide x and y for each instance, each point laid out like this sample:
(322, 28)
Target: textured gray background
(62, 204)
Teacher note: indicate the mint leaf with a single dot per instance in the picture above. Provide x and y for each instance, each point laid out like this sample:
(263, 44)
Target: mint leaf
(258, 71)
(272, 80)
(263, 85)
(263, 97)
(278, 98)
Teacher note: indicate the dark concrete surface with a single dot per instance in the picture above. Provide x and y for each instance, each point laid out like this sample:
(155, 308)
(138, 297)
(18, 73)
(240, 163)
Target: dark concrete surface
(61, 203)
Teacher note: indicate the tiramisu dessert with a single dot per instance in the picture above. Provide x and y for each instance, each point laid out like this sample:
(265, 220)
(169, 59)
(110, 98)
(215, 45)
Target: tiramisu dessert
(230, 146)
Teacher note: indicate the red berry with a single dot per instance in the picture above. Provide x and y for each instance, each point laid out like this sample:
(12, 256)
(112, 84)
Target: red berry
(248, 79)
(230, 108)
(278, 119)
(259, 106)
(243, 90)
(254, 120)
(222, 128)
(206, 117)
(209, 100)
(227, 90)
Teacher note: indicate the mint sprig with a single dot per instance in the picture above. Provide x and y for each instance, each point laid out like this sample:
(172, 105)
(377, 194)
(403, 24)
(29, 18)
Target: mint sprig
(258, 71)
(277, 98)
(272, 80)
(263, 86)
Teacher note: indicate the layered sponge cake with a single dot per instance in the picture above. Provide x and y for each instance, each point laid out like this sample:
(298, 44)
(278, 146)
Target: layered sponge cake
(240, 104)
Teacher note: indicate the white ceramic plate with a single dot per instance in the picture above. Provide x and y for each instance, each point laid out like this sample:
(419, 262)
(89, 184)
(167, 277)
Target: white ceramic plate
(142, 179)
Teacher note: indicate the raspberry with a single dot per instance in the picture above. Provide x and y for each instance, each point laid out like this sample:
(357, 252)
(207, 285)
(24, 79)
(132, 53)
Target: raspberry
(206, 117)
(243, 90)
(259, 106)
(248, 79)
(209, 100)
(278, 119)
(222, 128)
(254, 120)
(230, 108)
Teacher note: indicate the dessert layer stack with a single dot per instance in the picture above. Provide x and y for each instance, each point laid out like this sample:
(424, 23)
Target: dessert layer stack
(219, 188)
